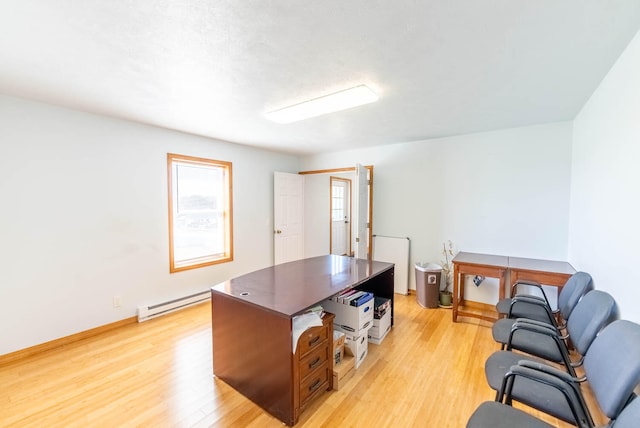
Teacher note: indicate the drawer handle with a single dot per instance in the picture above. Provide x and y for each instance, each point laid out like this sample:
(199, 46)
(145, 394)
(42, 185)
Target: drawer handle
(315, 385)
(315, 363)
(314, 340)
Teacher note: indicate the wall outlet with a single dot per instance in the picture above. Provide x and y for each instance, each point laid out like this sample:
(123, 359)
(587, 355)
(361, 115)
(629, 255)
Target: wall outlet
(117, 301)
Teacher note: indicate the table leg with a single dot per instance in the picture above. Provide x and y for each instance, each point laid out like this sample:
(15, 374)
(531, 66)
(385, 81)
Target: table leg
(456, 286)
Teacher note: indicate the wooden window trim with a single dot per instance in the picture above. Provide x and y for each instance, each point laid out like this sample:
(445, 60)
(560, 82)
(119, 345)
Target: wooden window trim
(228, 213)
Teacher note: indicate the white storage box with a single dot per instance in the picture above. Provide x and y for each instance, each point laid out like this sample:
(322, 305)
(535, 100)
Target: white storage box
(381, 306)
(380, 327)
(348, 330)
(352, 320)
(376, 340)
(358, 346)
(338, 347)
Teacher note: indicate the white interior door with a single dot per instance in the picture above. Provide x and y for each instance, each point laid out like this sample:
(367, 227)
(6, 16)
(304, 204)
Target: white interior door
(360, 212)
(288, 217)
(340, 216)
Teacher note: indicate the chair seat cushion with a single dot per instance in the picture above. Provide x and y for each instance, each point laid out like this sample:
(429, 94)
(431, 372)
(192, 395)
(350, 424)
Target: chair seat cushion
(523, 310)
(542, 397)
(526, 341)
(503, 306)
(501, 329)
(499, 363)
(491, 414)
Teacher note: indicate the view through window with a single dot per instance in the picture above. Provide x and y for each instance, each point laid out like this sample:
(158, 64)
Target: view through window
(200, 214)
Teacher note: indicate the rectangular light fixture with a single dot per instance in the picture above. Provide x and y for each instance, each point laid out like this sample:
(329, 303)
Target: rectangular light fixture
(342, 100)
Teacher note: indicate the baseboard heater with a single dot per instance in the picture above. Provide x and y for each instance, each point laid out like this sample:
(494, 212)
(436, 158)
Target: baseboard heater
(149, 312)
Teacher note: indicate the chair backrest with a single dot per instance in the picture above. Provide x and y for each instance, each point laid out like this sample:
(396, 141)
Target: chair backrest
(596, 310)
(612, 366)
(629, 416)
(579, 284)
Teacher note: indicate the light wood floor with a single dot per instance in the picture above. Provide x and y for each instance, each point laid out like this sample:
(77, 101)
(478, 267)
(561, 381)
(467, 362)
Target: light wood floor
(428, 372)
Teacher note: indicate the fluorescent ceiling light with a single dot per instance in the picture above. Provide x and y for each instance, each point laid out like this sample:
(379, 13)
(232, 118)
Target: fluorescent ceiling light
(342, 100)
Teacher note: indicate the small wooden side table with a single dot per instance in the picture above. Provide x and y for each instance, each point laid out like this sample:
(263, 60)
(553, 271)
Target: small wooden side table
(548, 272)
(476, 264)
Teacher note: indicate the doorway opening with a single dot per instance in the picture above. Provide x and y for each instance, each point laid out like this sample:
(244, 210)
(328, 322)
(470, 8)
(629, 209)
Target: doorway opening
(318, 240)
(340, 223)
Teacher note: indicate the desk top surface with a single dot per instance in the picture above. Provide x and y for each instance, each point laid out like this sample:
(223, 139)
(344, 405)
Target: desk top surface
(290, 288)
(554, 266)
(481, 259)
(516, 263)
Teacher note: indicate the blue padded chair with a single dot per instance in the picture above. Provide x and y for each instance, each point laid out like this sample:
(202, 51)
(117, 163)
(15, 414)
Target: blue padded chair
(612, 366)
(492, 414)
(596, 310)
(629, 417)
(538, 309)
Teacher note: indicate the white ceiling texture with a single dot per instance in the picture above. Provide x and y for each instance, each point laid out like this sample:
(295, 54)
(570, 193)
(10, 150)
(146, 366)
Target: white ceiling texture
(215, 67)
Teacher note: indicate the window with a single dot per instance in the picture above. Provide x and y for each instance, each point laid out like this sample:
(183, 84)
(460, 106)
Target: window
(338, 202)
(200, 212)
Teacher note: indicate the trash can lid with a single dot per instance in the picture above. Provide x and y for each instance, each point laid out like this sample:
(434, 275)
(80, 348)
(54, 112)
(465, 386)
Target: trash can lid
(428, 267)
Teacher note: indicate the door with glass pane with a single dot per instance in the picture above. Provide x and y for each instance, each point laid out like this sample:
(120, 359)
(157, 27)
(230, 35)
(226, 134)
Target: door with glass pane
(340, 216)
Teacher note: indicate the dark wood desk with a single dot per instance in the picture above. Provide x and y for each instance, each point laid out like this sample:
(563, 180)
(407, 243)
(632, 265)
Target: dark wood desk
(547, 272)
(252, 318)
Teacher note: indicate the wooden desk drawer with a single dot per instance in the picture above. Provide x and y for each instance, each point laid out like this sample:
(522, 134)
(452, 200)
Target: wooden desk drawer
(312, 338)
(314, 359)
(317, 382)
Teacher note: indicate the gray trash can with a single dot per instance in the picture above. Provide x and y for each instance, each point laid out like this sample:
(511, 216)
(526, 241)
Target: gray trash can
(428, 276)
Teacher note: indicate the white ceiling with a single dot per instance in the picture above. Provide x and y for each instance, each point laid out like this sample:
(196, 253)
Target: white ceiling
(213, 68)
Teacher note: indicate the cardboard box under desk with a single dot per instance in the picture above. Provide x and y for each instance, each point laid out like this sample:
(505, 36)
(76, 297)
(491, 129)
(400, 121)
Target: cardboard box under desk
(357, 347)
(352, 320)
(343, 372)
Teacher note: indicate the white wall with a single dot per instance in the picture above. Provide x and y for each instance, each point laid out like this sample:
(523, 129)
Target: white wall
(503, 192)
(84, 218)
(84, 213)
(316, 215)
(604, 237)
